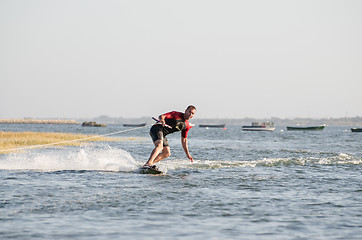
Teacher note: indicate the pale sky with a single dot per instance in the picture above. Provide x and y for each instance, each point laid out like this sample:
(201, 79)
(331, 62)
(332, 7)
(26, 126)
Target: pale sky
(231, 59)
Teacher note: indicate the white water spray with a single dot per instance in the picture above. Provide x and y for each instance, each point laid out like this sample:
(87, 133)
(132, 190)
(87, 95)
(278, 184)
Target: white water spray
(102, 158)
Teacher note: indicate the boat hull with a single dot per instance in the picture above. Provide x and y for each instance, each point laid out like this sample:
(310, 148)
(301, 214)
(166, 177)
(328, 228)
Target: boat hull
(93, 124)
(356, 129)
(134, 125)
(212, 125)
(314, 128)
(254, 128)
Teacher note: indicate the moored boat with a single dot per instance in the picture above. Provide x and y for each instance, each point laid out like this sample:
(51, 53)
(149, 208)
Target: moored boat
(356, 129)
(93, 124)
(310, 128)
(134, 124)
(212, 125)
(255, 126)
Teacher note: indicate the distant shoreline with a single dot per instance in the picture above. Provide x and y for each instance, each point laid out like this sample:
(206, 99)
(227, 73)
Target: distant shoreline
(345, 121)
(36, 121)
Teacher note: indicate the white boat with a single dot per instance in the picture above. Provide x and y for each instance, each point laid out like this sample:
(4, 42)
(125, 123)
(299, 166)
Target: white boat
(255, 126)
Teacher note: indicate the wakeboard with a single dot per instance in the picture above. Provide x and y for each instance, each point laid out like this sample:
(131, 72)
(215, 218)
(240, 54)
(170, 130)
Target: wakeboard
(148, 170)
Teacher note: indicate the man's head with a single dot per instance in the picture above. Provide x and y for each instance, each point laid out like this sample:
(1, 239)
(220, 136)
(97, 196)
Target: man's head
(189, 112)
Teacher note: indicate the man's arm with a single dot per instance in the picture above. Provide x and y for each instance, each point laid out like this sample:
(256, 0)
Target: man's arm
(186, 149)
(162, 119)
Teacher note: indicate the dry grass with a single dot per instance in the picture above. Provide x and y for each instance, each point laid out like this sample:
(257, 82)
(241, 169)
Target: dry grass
(13, 140)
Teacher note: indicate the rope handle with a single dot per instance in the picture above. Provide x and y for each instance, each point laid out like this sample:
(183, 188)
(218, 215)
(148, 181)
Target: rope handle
(159, 122)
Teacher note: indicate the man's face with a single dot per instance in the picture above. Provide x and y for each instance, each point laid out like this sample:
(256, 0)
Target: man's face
(189, 113)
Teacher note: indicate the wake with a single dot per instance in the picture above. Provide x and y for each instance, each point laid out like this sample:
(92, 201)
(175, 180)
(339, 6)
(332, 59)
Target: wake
(98, 158)
(106, 158)
(338, 159)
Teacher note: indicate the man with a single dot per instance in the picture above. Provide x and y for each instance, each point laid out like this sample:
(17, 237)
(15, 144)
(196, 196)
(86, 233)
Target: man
(169, 123)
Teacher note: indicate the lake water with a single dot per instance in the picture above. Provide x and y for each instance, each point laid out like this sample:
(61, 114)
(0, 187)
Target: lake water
(242, 185)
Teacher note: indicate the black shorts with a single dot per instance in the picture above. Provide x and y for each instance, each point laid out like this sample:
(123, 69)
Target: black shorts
(157, 134)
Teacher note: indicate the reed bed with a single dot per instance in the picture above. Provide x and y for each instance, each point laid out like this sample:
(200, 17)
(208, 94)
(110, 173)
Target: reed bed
(37, 121)
(13, 140)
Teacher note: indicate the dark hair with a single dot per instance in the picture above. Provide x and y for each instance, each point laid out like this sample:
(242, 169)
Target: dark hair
(191, 106)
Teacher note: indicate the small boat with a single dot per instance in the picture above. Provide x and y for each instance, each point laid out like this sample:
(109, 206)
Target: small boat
(93, 124)
(311, 128)
(356, 129)
(134, 124)
(212, 125)
(255, 126)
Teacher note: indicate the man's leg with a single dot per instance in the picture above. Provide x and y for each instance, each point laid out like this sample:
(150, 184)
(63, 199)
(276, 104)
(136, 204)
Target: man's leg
(158, 153)
(155, 152)
(166, 152)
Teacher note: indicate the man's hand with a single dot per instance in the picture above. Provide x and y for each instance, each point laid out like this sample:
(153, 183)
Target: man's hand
(163, 123)
(186, 148)
(189, 157)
